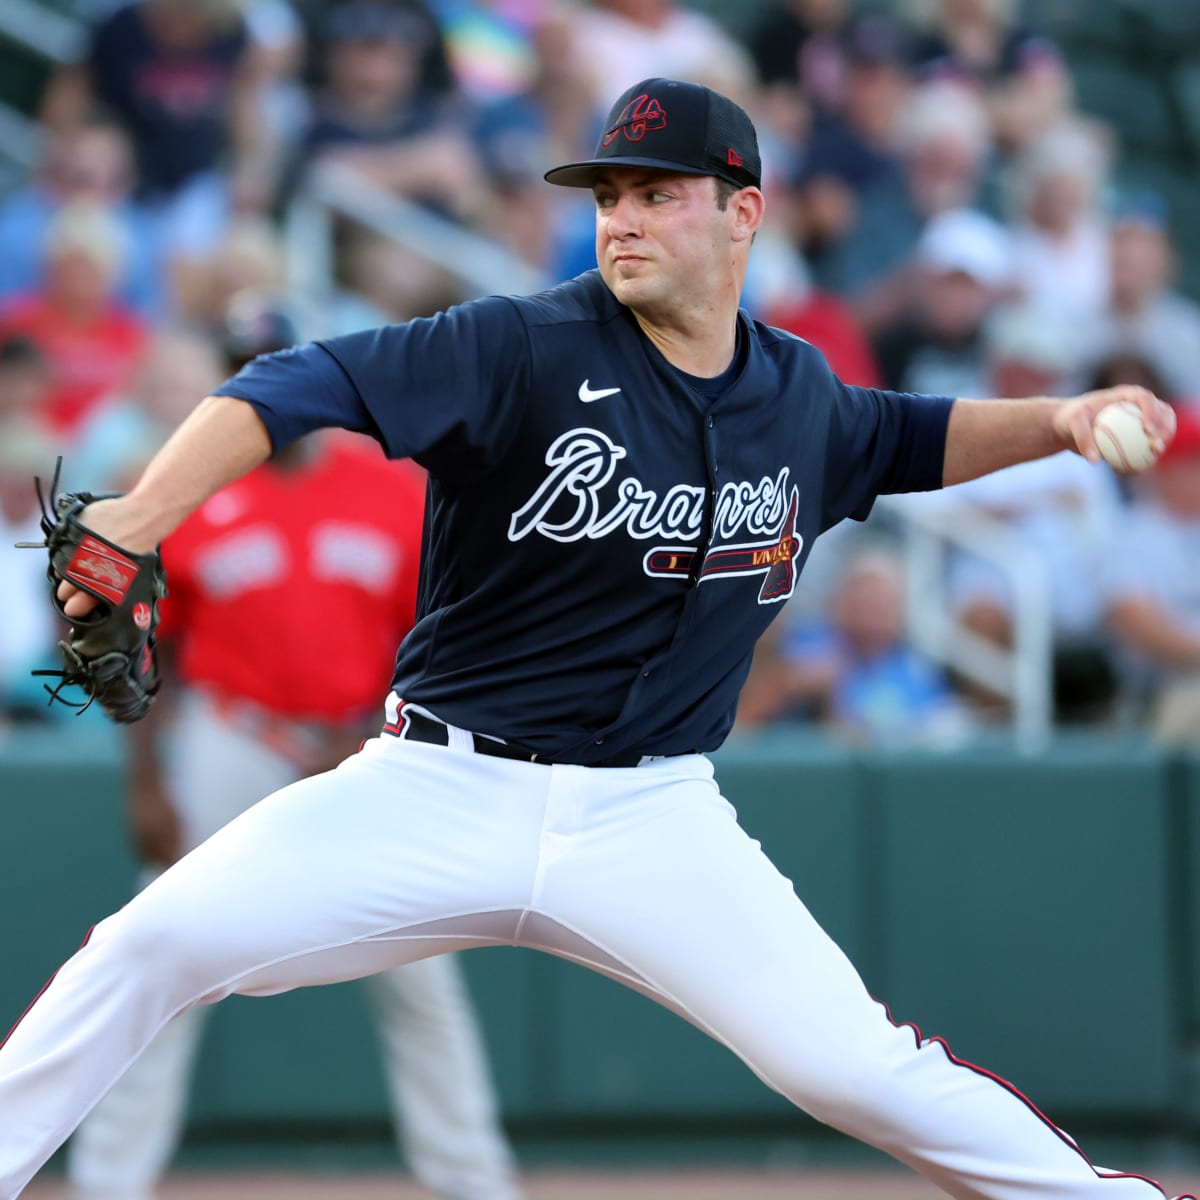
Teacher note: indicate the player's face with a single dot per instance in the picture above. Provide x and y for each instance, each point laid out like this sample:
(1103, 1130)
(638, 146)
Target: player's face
(662, 242)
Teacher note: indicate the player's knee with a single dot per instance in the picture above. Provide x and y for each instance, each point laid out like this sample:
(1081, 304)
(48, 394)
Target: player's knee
(150, 942)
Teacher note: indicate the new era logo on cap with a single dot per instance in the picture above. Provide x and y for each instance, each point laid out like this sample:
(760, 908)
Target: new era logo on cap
(674, 126)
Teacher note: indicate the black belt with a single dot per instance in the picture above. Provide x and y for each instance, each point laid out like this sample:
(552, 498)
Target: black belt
(417, 727)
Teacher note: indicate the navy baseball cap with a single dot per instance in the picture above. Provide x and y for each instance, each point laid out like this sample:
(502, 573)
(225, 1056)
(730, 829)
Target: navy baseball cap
(674, 126)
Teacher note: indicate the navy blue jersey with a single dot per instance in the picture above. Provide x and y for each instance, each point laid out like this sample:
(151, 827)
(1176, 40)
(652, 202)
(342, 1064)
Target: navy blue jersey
(603, 543)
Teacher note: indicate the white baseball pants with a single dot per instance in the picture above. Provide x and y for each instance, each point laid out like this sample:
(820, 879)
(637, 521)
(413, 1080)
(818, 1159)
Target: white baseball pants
(433, 1055)
(408, 850)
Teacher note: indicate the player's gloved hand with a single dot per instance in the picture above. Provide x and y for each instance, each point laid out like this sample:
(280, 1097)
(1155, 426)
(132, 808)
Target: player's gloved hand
(110, 649)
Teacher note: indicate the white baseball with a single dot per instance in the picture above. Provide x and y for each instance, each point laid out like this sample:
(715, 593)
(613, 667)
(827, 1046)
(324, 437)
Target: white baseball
(1124, 443)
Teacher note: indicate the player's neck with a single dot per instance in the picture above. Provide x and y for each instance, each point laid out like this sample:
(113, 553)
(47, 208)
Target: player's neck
(703, 348)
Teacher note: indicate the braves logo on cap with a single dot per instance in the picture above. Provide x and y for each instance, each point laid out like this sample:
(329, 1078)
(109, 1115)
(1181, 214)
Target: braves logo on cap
(640, 114)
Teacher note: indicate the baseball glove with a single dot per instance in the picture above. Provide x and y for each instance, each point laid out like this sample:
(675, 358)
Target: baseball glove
(109, 652)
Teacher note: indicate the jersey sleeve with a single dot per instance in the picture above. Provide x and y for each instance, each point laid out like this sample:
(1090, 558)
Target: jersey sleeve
(449, 390)
(881, 443)
(298, 391)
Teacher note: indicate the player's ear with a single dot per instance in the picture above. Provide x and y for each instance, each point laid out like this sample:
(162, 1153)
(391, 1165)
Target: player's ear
(748, 209)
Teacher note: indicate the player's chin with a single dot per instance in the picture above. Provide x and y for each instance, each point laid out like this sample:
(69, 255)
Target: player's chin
(630, 287)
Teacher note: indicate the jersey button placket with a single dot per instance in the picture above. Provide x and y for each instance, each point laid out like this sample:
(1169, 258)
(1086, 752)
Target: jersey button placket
(710, 460)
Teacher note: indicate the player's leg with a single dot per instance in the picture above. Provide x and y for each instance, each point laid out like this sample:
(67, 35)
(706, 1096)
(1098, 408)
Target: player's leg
(404, 851)
(655, 884)
(215, 770)
(123, 1147)
(439, 1081)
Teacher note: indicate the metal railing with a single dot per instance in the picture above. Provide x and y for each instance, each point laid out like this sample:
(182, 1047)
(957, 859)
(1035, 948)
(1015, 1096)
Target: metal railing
(330, 191)
(1023, 674)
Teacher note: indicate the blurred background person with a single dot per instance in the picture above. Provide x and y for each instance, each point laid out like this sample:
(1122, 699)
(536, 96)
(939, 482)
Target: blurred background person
(89, 164)
(24, 383)
(944, 146)
(92, 342)
(1018, 72)
(250, 255)
(852, 149)
(854, 671)
(520, 136)
(188, 85)
(959, 276)
(1060, 233)
(1151, 584)
(181, 365)
(1145, 317)
(624, 41)
(799, 52)
(824, 319)
(325, 536)
(374, 117)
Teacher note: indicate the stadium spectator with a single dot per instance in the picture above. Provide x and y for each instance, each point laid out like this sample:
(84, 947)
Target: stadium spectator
(829, 323)
(92, 342)
(623, 41)
(1153, 596)
(181, 365)
(1060, 237)
(852, 148)
(91, 163)
(24, 382)
(1019, 73)
(1144, 316)
(960, 274)
(799, 51)
(944, 147)
(381, 281)
(250, 254)
(373, 117)
(855, 671)
(185, 81)
(520, 136)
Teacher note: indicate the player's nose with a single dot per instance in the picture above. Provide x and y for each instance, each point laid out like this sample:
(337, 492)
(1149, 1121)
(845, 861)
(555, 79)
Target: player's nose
(622, 218)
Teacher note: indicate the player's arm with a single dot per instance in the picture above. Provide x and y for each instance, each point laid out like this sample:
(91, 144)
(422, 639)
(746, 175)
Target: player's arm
(986, 435)
(219, 442)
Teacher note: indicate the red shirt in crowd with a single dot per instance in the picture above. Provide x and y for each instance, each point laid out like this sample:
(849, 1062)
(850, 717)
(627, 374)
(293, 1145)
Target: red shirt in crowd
(88, 360)
(291, 588)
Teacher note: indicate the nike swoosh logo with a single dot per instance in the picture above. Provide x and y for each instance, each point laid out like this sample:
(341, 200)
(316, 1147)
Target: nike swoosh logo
(587, 395)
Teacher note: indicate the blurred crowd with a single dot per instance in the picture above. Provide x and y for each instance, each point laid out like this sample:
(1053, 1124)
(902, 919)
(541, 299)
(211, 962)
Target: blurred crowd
(941, 218)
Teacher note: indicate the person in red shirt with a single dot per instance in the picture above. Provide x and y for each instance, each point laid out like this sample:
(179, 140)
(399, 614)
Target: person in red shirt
(92, 342)
(323, 539)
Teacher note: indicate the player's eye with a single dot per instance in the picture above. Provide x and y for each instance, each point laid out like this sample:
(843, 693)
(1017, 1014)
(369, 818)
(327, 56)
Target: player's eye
(659, 197)
(605, 201)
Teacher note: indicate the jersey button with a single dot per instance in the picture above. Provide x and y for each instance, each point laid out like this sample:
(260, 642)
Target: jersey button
(710, 422)
(599, 741)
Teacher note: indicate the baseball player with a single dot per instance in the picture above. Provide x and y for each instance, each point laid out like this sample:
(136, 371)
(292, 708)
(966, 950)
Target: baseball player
(324, 537)
(626, 474)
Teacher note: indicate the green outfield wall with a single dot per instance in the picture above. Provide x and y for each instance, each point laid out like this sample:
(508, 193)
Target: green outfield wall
(1040, 912)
